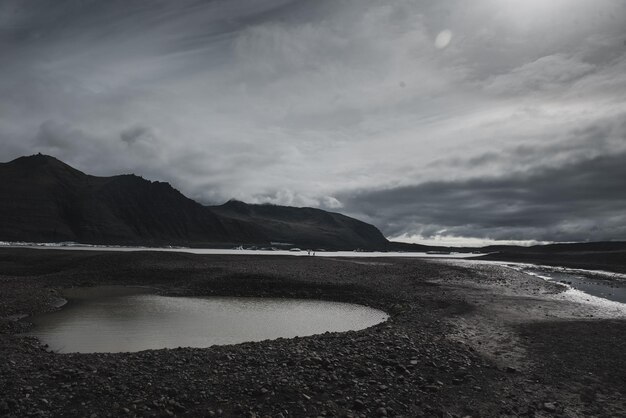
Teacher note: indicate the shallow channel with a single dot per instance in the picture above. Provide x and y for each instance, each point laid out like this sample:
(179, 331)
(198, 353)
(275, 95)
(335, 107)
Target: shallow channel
(606, 289)
(135, 319)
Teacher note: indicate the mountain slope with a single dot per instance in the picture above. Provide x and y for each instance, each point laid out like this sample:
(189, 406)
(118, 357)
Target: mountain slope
(45, 200)
(305, 226)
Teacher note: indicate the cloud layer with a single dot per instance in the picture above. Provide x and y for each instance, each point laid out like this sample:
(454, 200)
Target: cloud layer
(428, 118)
(582, 198)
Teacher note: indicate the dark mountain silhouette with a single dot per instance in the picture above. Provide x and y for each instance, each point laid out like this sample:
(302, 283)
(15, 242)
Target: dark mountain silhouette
(45, 200)
(305, 226)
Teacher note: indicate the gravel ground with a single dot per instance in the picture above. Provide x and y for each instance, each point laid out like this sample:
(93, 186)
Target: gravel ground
(462, 340)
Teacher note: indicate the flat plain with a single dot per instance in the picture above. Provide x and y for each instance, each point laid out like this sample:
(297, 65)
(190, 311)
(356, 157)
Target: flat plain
(463, 339)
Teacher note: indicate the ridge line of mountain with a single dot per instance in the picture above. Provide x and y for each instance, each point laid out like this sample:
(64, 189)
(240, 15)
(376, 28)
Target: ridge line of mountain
(47, 200)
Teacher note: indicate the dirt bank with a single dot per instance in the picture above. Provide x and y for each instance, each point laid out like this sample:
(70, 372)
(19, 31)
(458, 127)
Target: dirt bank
(474, 340)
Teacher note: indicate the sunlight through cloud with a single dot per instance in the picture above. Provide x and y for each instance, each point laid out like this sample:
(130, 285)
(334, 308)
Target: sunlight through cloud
(443, 39)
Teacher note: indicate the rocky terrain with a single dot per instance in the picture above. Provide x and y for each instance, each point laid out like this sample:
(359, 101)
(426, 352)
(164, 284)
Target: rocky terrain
(462, 340)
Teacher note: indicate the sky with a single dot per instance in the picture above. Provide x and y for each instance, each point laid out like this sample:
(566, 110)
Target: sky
(447, 122)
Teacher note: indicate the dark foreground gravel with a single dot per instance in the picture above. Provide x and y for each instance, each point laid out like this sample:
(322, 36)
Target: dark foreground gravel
(461, 341)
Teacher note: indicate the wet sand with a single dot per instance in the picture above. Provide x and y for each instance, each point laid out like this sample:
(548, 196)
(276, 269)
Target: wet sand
(462, 340)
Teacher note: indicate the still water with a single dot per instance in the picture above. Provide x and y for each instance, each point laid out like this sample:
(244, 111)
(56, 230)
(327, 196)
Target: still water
(606, 289)
(133, 320)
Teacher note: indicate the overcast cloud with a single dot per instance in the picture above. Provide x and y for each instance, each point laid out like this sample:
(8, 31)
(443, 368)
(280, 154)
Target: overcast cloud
(449, 120)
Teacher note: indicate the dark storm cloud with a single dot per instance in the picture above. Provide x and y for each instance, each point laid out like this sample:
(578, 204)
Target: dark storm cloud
(135, 134)
(58, 136)
(583, 198)
(306, 102)
(602, 137)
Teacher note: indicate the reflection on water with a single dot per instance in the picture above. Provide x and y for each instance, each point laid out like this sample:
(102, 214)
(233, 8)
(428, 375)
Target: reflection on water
(140, 321)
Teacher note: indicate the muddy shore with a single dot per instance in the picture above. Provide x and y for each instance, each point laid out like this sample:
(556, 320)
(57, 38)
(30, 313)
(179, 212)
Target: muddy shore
(462, 340)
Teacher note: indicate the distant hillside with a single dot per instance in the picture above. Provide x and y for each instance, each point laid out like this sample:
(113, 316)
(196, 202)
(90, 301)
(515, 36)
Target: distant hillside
(305, 226)
(45, 200)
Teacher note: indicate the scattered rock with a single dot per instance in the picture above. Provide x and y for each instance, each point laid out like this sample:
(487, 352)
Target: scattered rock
(408, 366)
(358, 405)
(549, 407)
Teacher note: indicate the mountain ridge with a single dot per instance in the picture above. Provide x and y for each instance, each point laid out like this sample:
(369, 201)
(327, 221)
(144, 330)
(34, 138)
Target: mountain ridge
(276, 218)
(47, 200)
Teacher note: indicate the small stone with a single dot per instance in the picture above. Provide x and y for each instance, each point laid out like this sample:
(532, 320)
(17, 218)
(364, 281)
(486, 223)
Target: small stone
(358, 405)
(549, 407)
(381, 412)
